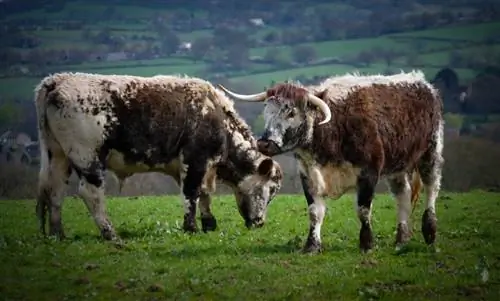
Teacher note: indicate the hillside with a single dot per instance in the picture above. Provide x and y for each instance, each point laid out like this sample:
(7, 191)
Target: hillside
(245, 45)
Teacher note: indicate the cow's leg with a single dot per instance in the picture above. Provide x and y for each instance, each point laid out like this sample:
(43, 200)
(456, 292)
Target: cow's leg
(53, 179)
(208, 221)
(430, 168)
(191, 189)
(366, 182)
(317, 209)
(400, 187)
(91, 189)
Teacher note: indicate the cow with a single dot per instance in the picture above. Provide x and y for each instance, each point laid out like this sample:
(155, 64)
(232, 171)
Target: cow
(178, 125)
(349, 132)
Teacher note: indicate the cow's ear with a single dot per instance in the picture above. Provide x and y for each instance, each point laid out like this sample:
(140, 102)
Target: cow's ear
(265, 167)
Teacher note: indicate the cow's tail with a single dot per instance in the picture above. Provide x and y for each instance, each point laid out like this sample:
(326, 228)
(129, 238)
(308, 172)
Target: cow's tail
(416, 185)
(42, 91)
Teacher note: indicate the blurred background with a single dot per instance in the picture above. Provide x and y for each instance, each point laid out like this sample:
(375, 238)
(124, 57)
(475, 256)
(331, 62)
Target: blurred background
(247, 46)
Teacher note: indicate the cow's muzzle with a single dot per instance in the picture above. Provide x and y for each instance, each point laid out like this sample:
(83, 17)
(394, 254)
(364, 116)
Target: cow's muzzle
(255, 223)
(268, 147)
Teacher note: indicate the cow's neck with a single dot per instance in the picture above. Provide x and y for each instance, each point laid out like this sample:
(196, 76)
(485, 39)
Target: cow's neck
(241, 160)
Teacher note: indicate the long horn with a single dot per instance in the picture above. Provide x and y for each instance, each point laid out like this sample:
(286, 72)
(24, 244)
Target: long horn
(322, 106)
(259, 97)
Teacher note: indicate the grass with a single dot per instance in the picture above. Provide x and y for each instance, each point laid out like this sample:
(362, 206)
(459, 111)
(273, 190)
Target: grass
(234, 263)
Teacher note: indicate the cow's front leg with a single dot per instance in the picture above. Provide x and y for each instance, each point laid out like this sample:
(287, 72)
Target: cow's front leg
(208, 221)
(316, 208)
(366, 183)
(191, 188)
(91, 189)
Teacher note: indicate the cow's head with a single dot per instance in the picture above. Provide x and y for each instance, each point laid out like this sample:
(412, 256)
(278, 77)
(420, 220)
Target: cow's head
(256, 189)
(289, 116)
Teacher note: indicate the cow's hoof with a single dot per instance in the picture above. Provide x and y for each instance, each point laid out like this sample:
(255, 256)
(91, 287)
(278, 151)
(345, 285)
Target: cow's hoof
(57, 232)
(365, 239)
(403, 236)
(190, 227)
(208, 223)
(429, 226)
(312, 247)
(109, 234)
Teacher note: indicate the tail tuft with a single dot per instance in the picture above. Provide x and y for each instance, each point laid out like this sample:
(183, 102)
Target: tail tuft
(416, 185)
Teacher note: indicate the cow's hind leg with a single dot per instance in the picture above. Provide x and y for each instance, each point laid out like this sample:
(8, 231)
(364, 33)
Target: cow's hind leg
(430, 168)
(400, 187)
(208, 221)
(317, 209)
(366, 183)
(91, 189)
(53, 179)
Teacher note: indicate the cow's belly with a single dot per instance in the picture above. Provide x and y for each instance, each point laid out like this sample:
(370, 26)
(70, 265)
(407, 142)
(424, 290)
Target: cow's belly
(331, 180)
(116, 162)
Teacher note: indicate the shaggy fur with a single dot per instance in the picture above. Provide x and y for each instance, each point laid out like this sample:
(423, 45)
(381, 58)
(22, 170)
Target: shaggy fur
(381, 127)
(177, 125)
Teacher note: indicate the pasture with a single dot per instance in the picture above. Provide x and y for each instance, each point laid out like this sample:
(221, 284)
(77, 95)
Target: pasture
(160, 262)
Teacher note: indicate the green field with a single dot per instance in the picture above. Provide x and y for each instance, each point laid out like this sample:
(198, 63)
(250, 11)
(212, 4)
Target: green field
(160, 262)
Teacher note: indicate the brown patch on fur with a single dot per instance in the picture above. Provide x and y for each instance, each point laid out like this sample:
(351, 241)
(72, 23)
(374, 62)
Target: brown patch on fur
(376, 126)
(287, 91)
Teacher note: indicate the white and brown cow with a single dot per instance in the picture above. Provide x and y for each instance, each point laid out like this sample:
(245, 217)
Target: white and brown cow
(352, 130)
(181, 126)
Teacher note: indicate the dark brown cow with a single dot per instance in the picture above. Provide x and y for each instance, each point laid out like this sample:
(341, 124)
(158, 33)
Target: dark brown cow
(180, 126)
(352, 130)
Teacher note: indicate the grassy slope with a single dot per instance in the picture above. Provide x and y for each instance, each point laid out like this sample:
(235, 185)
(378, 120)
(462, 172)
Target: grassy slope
(233, 263)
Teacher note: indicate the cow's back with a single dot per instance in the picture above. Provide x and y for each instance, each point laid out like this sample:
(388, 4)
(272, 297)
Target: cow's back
(147, 120)
(403, 116)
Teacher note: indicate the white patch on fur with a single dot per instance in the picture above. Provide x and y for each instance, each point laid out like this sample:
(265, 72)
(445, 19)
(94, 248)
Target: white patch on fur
(403, 200)
(432, 190)
(341, 85)
(329, 180)
(317, 212)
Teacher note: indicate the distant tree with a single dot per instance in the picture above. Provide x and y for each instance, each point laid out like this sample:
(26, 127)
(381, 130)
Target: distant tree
(303, 54)
(275, 56)
(272, 37)
(200, 47)
(104, 36)
(237, 56)
(224, 37)
(169, 43)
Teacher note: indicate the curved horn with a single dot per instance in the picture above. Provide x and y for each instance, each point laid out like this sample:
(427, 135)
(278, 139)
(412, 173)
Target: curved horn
(322, 106)
(259, 97)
